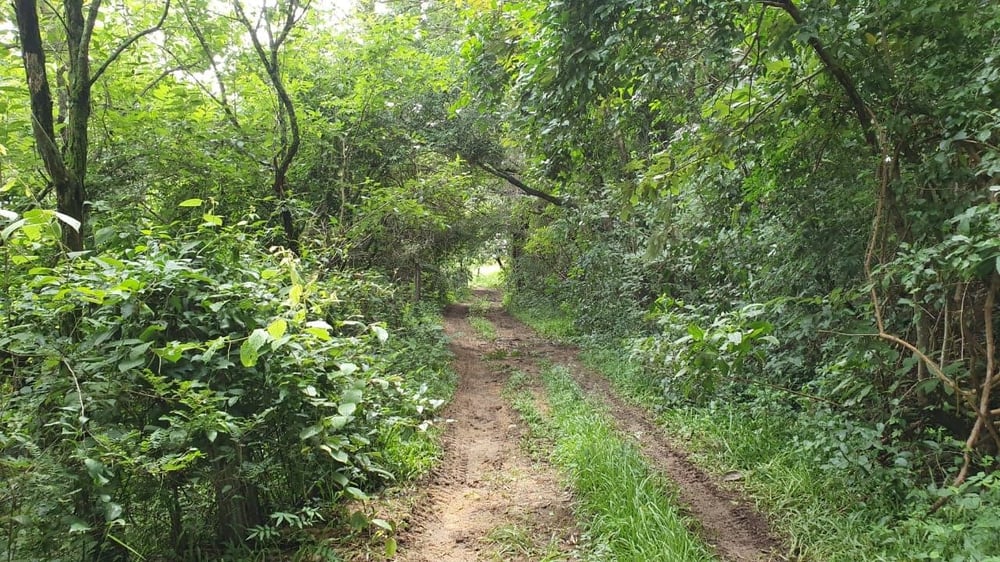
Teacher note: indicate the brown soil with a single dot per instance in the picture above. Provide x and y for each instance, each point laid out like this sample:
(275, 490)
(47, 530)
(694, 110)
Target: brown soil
(486, 486)
(488, 500)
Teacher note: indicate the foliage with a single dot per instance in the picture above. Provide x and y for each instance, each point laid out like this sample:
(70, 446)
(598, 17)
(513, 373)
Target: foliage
(197, 380)
(776, 201)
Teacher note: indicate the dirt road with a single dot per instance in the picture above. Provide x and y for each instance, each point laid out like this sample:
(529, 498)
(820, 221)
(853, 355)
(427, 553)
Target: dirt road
(489, 500)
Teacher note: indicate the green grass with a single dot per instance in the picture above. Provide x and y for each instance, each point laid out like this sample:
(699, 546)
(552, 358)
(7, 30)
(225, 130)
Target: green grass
(549, 322)
(827, 514)
(629, 511)
(813, 506)
(483, 327)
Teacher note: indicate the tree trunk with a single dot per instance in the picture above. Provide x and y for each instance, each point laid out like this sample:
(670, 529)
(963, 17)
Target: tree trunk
(417, 282)
(237, 501)
(66, 168)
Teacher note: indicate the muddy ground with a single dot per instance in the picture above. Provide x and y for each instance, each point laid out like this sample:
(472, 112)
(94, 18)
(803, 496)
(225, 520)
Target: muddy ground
(490, 500)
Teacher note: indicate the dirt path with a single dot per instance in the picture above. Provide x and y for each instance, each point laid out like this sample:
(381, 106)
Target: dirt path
(487, 488)
(488, 500)
(725, 520)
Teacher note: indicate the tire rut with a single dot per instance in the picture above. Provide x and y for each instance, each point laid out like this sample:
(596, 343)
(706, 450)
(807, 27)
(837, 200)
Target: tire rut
(725, 520)
(484, 482)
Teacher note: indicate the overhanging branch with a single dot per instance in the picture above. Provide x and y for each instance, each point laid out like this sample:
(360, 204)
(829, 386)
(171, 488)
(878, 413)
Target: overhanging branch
(516, 182)
(861, 110)
(127, 43)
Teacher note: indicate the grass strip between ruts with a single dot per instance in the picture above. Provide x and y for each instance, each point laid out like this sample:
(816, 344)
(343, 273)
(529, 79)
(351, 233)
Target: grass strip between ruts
(629, 512)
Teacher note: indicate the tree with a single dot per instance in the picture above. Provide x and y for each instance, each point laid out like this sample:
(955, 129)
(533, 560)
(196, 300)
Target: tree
(288, 13)
(66, 165)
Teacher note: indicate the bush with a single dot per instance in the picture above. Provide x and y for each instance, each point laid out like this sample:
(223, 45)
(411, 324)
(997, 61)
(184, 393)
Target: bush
(181, 390)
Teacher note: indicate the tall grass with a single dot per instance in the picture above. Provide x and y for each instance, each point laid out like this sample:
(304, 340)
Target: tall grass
(630, 512)
(815, 508)
(828, 513)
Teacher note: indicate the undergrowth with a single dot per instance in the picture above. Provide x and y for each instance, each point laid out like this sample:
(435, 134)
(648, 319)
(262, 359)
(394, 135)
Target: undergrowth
(629, 512)
(550, 321)
(805, 471)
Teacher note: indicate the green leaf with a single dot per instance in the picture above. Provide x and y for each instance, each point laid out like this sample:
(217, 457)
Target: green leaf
(112, 511)
(79, 526)
(347, 408)
(277, 328)
(248, 355)
(356, 493)
(340, 479)
(211, 220)
(94, 467)
(380, 333)
(390, 547)
(319, 333)
(190, 203)
(70, 221)
(250, 349)
(310, 431)
(295, 294)
(5, 233)
(697, 334)
(130, 364)
(352, 396)
(319, 324)
(173, 351)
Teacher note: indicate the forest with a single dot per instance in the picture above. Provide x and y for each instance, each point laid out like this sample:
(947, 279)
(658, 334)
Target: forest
(242, 246)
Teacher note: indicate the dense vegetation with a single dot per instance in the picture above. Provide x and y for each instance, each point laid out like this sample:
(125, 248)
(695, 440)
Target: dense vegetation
(224, 228)
(218, 226)
(784, 216)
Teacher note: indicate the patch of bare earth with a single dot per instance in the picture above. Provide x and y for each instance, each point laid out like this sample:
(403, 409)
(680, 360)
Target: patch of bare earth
(487, 500)
(724, 519)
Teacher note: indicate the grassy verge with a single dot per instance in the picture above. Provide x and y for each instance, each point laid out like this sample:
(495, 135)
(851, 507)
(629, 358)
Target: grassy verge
(814, 507)
(629, 511)
(824, 513)
(832, 513)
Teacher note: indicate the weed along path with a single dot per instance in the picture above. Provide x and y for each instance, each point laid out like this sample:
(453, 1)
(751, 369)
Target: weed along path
(492, 499)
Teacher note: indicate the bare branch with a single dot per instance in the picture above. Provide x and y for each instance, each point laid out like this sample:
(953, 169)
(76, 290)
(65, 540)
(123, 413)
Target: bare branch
(128, 42)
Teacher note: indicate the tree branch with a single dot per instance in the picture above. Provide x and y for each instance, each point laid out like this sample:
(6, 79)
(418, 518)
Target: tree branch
(513, 180)
(861, 110)
(222, 100)
(128, 42)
